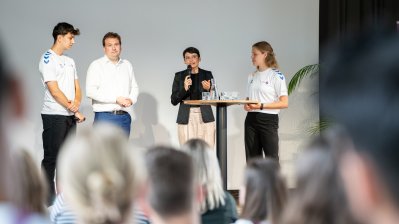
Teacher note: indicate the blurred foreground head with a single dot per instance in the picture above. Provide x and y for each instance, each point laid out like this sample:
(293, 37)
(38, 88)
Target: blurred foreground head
(207, 173)
(14, 185)
(98, 175)
(10, 108)
(264, 194)
(30, 192)
(3, 154)
(359, 89)
(319, 196)
(172, 188)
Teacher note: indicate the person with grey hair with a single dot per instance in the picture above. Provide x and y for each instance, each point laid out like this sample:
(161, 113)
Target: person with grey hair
(98, 175)
(218, 205)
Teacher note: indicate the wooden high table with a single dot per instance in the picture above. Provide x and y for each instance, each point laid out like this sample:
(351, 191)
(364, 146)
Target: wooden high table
(221, 128)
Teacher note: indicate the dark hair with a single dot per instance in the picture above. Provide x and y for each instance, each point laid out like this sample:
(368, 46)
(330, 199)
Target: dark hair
(8, 81)
(265, 194)
(63, 29)
(171, 181)
(191, 50)
(112, 35)
(359, 88)
(4, 77)
(319, 196)
(265, 47)
(4, 153)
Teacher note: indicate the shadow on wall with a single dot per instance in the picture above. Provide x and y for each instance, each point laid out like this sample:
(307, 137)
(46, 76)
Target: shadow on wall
(146, 129)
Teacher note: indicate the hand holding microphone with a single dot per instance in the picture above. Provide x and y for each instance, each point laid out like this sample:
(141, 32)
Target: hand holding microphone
(187, 79)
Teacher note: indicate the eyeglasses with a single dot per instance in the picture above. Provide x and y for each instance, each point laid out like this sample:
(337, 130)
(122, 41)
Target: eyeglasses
(191, 57)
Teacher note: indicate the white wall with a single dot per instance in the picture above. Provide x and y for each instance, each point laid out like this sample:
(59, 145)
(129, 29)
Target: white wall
(154, 34)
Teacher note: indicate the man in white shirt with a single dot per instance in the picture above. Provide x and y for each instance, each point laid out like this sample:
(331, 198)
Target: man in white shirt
(62, 97)
(111, 85)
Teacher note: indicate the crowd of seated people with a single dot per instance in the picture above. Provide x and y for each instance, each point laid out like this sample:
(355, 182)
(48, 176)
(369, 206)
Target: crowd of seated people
(346, 175)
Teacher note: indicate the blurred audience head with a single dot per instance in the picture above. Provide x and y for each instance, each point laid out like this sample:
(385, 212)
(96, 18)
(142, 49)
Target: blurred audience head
(4, 77)
(360, 90)
(11, 184)
(30, 192)
(11, 108)
(3, 152)
(98, 175)
(172, 189)
(207, 173)
(319, 196)
(264, 193)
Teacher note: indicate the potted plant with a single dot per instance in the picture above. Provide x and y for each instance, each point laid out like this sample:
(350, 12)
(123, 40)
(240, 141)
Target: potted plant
(308, 71)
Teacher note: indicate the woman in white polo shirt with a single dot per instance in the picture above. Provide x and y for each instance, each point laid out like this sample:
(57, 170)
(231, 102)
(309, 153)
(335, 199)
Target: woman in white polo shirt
(267, 86)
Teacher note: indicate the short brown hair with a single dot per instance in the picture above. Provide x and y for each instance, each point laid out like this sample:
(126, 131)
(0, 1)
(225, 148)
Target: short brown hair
(171, 180)
(112, 35)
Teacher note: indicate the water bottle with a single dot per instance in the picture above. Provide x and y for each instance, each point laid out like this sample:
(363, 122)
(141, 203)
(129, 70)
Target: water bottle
(214, 92)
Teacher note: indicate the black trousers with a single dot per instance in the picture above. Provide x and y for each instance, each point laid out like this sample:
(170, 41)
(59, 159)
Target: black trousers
(55, 129)
(261, 133)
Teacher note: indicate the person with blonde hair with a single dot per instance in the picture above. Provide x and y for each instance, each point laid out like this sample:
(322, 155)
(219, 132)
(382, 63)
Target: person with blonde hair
(98, 175)
(264, 193)
(218, 205)
(267, 86)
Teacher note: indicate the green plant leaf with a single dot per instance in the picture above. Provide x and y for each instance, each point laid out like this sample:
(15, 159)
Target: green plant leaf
(308, 70)
(319, 126)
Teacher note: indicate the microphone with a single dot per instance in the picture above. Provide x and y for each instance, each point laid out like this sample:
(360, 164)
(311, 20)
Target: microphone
(189, 71)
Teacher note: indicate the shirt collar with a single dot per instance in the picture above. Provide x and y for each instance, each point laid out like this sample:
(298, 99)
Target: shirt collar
(55, 54)
(106, 59)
